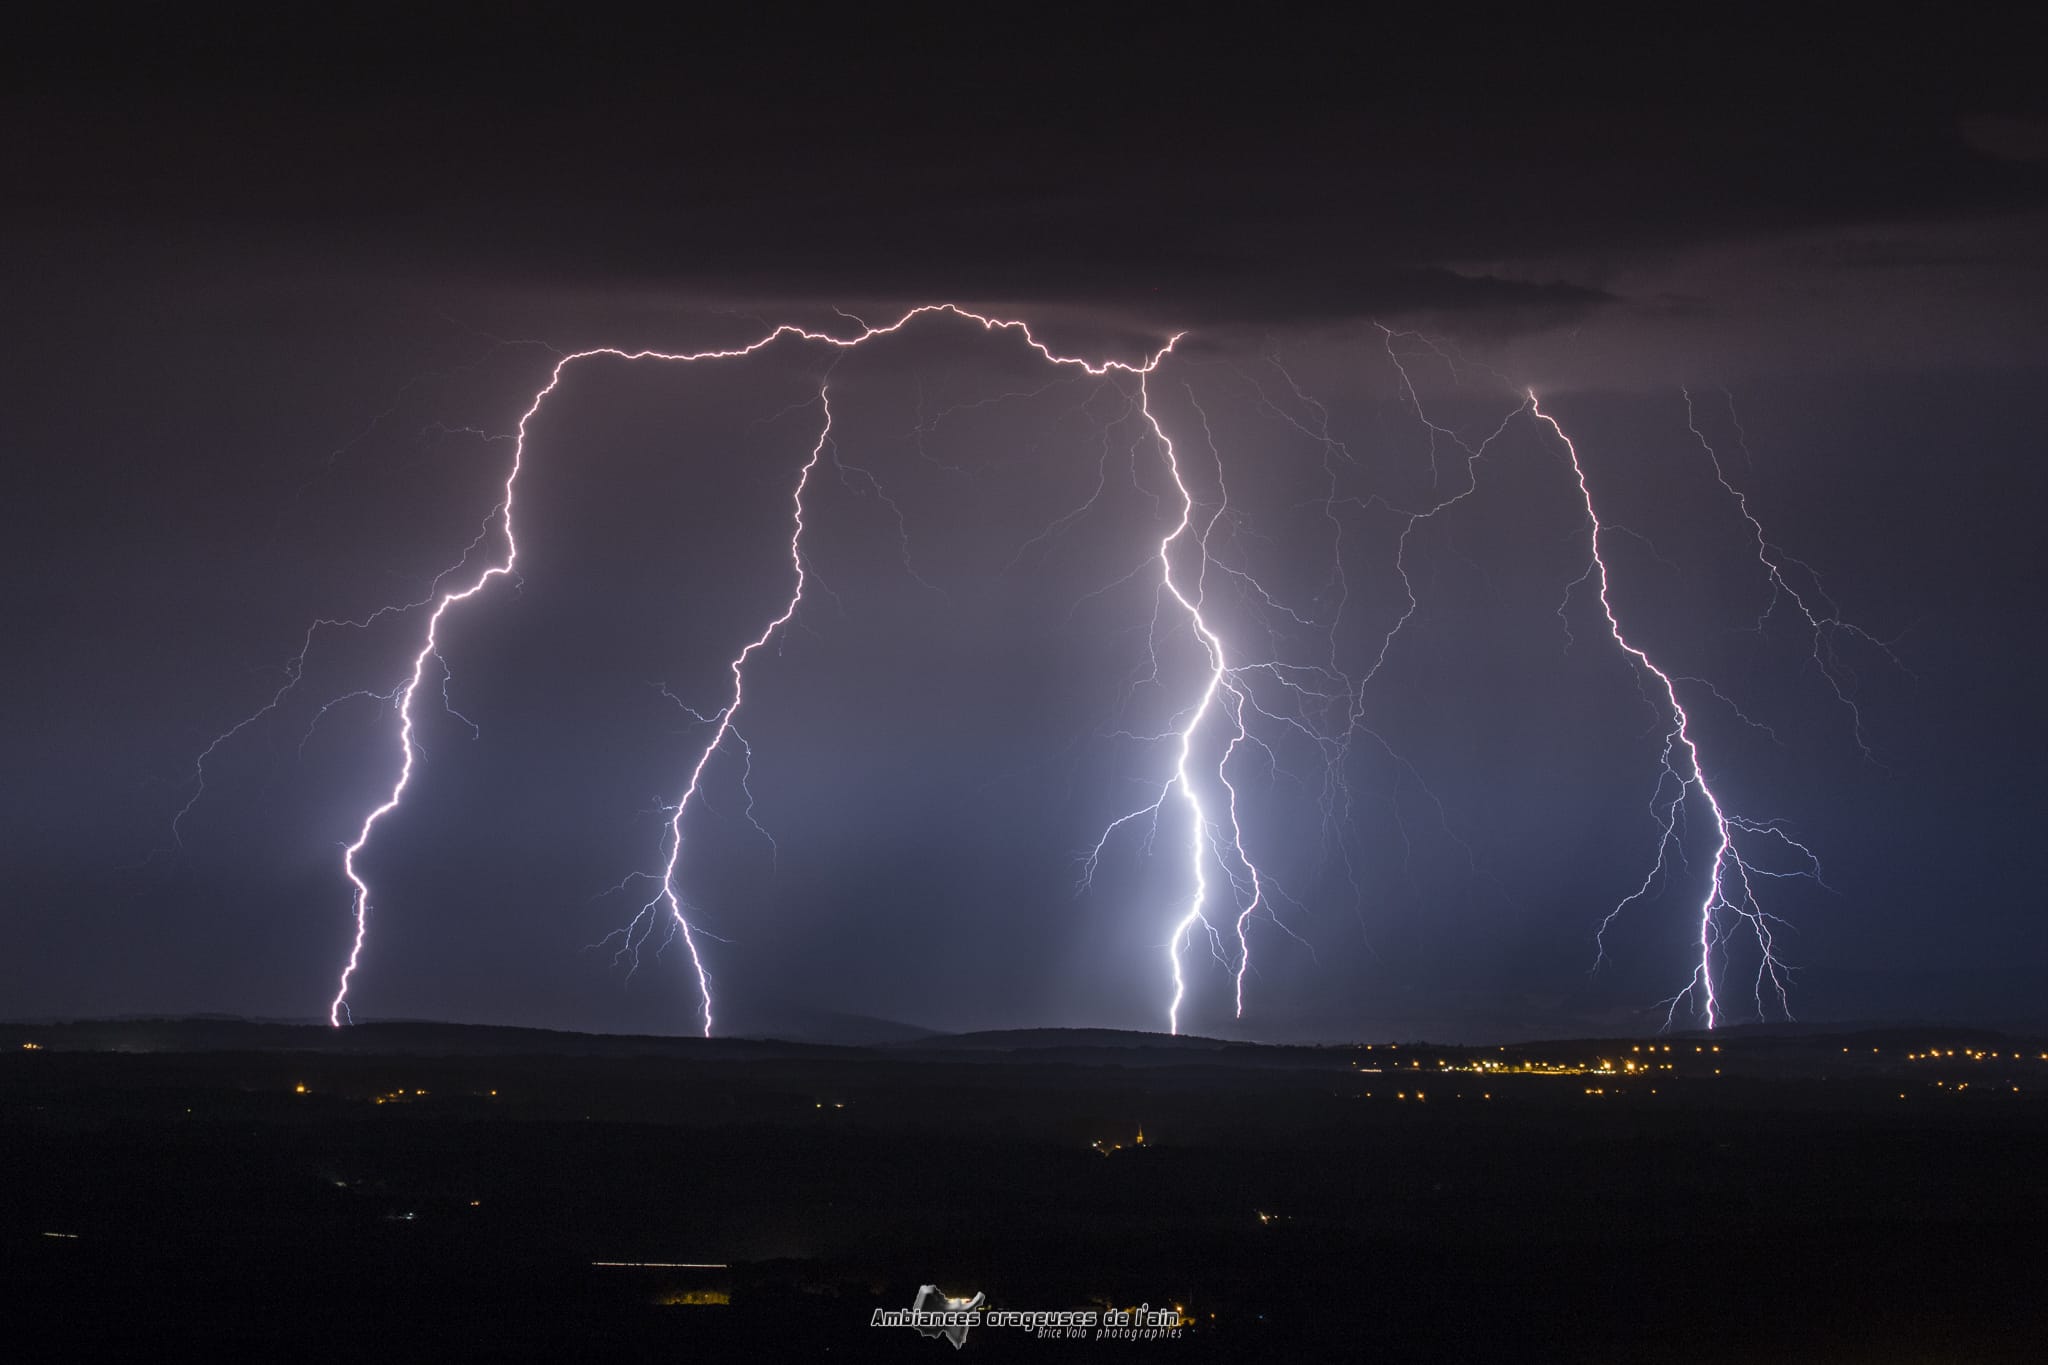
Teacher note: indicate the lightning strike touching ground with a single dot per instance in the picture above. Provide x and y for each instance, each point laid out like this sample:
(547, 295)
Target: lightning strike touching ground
(1327, 703)
(499, 527)
(1730, 901)
(1317, 699)
(1226, 695)
(1239, 695)
(1212, 645)
(723, 726)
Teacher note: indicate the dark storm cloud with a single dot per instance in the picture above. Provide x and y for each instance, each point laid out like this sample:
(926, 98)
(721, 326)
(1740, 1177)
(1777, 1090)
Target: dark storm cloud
(2014, 139)
(1262, 171)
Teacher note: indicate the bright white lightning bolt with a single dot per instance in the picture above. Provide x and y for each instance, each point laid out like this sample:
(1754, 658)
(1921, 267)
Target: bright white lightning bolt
(294, 674)
(1219, 672)
(499, 522)
(1731, 874)
(723, 725)
(1226, 692)
(1329, 702)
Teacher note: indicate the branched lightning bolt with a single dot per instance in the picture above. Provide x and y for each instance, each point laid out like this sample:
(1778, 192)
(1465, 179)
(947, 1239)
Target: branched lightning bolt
(1824, 623)
(723, 724)
(1241, 696)
(499, 528)
(1226, 697)
(294, 675)
(1219, 683)
(1318, 700)
(746, 769)
(1732, 874)
(1336, 801)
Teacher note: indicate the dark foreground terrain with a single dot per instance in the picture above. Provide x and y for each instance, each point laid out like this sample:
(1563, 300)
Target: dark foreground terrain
(419, 1191)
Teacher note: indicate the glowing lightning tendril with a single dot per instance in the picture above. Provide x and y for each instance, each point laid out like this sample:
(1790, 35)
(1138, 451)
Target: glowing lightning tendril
(1329, 703)
(1731, 875)
(500, 522)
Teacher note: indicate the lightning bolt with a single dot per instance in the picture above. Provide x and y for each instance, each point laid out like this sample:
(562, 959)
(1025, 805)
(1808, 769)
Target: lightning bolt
(499, 532)
(294, 675)
(1319, 700)
(1218, 683)
(1215, 731)
(1732, 873)
(1223, 694)
(722, 726)
(1824, 624)
(1342, 738)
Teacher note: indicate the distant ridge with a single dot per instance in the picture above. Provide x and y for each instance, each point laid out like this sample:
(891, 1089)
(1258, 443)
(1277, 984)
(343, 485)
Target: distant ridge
(872, 1038)
(374, 1037)
(823, 1032)
(228, 1032)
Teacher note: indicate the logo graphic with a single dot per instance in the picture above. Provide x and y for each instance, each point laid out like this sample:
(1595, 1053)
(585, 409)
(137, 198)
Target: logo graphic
(935, 1315)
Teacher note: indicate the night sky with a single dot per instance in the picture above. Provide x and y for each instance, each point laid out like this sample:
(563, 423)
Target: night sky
(276, 284)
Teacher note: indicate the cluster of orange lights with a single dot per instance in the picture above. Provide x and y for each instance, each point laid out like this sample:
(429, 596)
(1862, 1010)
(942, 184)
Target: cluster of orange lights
(405, 1096)
(1489, 1066)
(695, 1298)
(1636, 1067)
